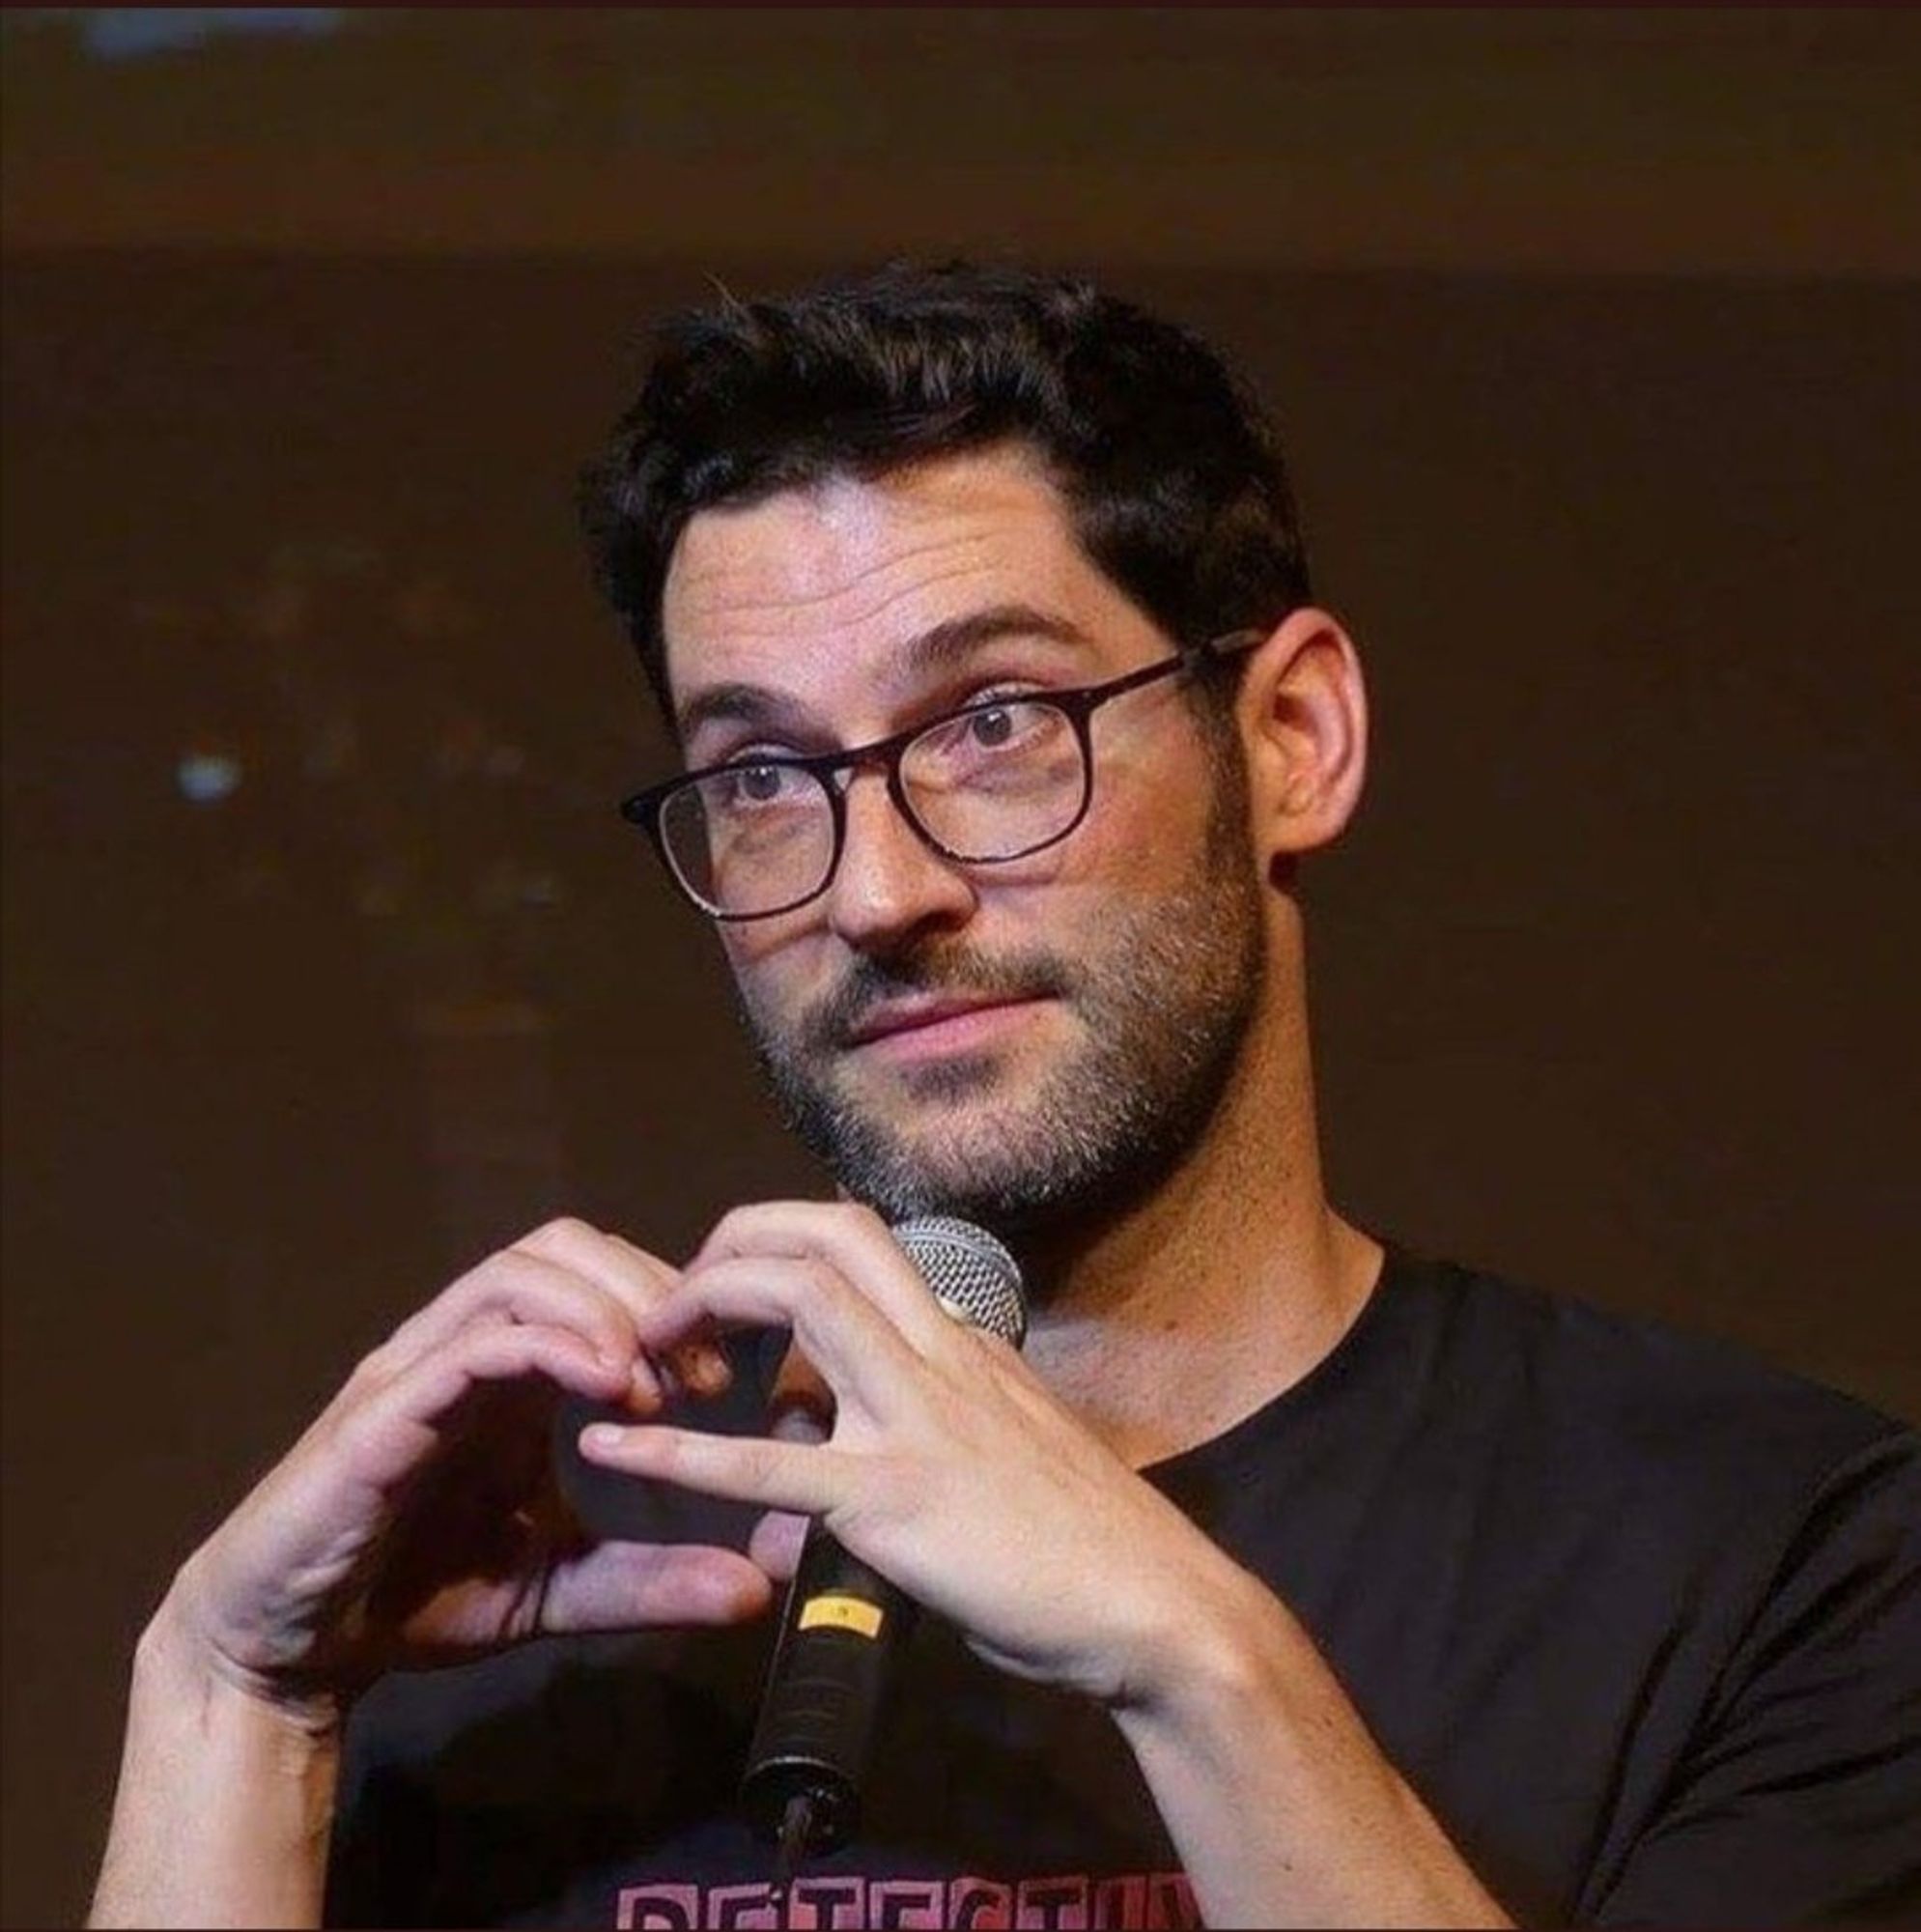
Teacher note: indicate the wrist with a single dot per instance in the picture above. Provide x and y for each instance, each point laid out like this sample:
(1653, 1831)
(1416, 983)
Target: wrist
(1240, 1718)
(1221, 1651)
(177, 1662)
(225, 1802)
(1241, 1676)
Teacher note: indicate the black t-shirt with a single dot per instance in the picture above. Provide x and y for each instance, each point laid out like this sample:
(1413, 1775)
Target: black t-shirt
(1639, 1618)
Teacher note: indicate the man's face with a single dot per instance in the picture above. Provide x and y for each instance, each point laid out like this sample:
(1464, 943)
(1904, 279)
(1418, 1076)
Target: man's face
(1020, 1043)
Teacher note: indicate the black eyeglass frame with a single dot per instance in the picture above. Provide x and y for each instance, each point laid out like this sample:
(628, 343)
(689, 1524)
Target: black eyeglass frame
(1077, 704)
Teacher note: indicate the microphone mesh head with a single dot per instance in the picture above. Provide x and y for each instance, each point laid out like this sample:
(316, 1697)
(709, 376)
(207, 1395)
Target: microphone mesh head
(975, 1279)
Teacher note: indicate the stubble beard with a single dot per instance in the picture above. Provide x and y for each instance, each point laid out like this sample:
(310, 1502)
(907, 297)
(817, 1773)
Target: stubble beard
(1163, 1007)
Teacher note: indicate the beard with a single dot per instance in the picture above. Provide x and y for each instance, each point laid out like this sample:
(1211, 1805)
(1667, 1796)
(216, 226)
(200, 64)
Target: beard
(1165, 997)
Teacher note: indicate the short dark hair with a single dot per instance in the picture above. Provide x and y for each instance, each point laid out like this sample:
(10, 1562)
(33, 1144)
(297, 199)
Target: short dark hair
(1173, 479)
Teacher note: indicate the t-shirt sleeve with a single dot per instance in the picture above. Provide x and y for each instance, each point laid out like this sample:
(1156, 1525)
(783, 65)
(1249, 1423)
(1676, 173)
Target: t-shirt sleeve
(1800, 1798)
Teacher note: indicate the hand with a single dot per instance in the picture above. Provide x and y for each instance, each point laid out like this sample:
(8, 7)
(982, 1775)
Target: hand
(418, 1520)
(950, 1468)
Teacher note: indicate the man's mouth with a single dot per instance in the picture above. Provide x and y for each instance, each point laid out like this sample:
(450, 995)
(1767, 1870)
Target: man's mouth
(932, 1023)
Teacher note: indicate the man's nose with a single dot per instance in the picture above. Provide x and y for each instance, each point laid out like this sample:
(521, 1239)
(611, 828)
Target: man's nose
(890, 882)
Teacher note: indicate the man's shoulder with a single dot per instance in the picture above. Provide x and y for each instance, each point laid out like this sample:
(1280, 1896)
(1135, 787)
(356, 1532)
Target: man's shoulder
(1648, 1398)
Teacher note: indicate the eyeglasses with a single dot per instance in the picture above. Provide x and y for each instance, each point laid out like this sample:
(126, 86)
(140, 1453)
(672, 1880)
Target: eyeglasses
(991, 782)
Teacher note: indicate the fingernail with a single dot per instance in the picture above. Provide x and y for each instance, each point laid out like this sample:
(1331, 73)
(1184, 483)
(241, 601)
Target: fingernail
(703, 1369)
(602, 1435)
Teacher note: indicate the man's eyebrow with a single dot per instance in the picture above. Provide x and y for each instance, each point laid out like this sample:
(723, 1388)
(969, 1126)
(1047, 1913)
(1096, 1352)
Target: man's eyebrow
(746, 703)
(935, 649)
(940, 647)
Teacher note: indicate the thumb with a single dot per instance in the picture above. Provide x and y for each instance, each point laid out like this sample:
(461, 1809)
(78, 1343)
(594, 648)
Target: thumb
(625, 1586)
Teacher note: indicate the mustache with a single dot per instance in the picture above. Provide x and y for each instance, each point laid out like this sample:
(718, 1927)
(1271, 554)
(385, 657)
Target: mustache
(832, 1022)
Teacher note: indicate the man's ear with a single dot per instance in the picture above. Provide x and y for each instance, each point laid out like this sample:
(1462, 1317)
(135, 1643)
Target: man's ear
(1303, 715)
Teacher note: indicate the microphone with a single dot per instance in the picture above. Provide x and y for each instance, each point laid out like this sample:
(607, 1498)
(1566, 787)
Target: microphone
(843, 1620)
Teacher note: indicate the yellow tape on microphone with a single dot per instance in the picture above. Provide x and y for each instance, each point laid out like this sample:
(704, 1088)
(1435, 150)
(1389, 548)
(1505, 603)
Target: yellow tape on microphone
(835, 1612)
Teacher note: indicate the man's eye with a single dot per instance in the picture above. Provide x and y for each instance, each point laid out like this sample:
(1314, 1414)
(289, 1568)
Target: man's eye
(749, 783)
(1011, 727)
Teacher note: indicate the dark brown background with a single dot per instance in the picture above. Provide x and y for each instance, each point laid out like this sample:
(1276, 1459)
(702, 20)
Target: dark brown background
(1594, 337)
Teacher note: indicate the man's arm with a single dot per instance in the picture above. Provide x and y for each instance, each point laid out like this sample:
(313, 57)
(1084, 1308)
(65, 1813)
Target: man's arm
(1282, 1808)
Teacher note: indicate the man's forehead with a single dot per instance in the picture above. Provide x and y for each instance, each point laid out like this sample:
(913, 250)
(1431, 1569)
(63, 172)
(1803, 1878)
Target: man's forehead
(864, 561)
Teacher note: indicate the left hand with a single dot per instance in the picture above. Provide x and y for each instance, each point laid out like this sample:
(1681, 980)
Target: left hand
(949, 1467)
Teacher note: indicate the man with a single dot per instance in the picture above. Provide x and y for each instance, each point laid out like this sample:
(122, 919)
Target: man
(1284, 1577)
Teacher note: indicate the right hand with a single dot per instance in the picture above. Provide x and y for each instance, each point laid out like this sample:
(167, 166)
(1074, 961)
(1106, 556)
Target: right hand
(419, 1520)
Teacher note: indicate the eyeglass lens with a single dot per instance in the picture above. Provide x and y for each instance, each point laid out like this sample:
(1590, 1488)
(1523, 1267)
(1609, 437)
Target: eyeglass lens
(992, 783)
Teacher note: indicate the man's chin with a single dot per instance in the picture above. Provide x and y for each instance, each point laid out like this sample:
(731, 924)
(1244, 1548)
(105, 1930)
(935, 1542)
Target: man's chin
(953, 1081)
(978, 1134)
(999, 1167)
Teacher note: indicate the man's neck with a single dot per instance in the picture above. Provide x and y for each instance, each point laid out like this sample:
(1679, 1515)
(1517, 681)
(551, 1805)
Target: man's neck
(1221, 1290)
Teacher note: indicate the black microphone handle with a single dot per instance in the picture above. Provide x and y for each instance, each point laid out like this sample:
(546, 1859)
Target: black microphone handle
(844, 1621)
(842, 1624)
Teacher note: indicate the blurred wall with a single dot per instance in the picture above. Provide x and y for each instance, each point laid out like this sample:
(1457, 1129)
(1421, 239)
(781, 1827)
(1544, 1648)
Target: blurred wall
(327, 961)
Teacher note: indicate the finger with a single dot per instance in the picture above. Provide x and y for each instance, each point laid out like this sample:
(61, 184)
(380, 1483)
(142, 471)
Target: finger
(520, 1287)
(323, 1506)
(774, 1545)
(398, 1426)
(611, 1586)
(848, 1238)
(800, 1410)
(800, 1404)
(636, 1280)
(699, 1363)
(793, 1476)
(850, 1341)
(639, 1586)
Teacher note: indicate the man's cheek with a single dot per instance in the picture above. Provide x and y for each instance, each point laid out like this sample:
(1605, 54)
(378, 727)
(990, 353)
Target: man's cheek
(782, 1018)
